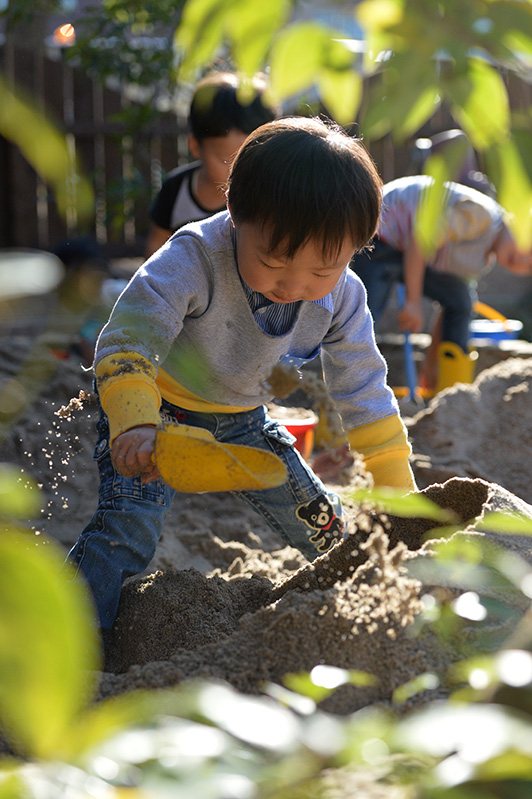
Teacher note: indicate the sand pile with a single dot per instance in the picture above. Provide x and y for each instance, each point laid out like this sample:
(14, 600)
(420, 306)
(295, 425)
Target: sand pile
(481, 430)
(225, 598)
(354, 607)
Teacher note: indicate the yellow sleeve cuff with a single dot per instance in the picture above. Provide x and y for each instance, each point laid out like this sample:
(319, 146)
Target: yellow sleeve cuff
(128, 393)
(385, 448)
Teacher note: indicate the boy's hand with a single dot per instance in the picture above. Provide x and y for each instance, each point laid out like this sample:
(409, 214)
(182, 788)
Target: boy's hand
(331, 466)
(132, 453)
(411, 317)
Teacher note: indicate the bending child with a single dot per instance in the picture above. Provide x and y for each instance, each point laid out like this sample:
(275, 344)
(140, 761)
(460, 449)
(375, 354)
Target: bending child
(472, 236)
(195, 336)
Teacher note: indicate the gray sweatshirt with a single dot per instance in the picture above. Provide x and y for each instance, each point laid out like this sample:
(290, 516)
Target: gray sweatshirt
(186, 311)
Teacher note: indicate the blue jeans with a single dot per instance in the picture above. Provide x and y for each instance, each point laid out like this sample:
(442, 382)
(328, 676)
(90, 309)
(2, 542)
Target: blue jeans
(121, 538)
(382, 267)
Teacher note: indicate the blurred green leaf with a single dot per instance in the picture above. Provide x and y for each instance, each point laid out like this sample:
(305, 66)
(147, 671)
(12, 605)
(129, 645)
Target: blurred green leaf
(372, 723)
(423, 682)
(477, 732)
(296, 58)
(191, 364)
(421, 111)
(43, 146)
(511, 765)
(99, 722)
(251, 27)
(522, 140)
(404, 94)
(307, 54)
(463, 573)
(513, 24)
(17, 499)
(200, 34)
(378, 15)
(390, 500)
(11, 784)
(323, 680)
(514, 189)
(461, 549)
(301, 683)
(341, 92)
(483, 666)
(246, 25)
(258, 721)
(47, 644)
(506, 523)
(427, 223)
(479, 101)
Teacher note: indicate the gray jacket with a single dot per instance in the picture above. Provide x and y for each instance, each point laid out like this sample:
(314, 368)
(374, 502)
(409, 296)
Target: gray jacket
(185, 310)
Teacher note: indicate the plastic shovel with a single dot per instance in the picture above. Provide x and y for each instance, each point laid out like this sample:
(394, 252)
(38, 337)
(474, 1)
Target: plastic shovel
(192, 461)
(410, 364)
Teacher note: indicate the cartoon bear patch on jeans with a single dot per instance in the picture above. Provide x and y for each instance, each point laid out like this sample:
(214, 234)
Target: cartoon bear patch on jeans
(320, 516)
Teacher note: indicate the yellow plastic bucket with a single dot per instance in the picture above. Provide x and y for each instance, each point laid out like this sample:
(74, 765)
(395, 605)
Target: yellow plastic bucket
(454, 365)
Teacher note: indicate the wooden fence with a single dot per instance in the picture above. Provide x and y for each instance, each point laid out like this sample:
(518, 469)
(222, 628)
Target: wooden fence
(125, 170)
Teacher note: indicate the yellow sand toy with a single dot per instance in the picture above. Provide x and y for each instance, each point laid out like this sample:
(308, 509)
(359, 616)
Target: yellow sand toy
(454, 365)
(457, 366)
(192, 461)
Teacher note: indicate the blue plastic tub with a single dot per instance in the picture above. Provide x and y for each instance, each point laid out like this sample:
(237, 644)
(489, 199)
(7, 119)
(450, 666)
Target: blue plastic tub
(495, 329)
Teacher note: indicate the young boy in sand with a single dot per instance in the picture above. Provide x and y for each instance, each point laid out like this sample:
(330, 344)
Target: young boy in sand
(195, 336)
(219, 121)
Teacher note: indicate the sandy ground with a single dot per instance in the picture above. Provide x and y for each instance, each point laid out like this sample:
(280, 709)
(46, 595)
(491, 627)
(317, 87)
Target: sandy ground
(224, 598)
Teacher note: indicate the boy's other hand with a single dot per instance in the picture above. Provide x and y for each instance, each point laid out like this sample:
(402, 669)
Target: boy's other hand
(332, 466)
(411, 317)
(132, 453)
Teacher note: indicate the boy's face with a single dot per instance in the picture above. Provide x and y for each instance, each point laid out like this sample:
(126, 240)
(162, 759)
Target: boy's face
(217, 154)
(307, 276)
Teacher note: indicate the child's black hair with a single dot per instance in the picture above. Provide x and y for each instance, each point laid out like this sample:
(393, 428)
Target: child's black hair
(304, 178)
(217, 108)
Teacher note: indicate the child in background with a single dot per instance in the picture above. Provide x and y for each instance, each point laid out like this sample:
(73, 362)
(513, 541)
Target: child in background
(219, 121)
(265, 281)
(472, 236)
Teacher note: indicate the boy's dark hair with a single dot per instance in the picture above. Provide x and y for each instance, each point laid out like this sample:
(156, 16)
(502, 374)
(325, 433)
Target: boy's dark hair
(304, 178)
(216, 107)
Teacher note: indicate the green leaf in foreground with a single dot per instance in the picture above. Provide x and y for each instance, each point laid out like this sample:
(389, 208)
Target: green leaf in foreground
(474, 732)
(427, 223)
(17, 499)
(296, 58)
(510, 165)
(11, 784)
(480, 104)
(516, 524)
(393, 501)
(46, 149)
(423, 682)
(48, 644)
(324, 680)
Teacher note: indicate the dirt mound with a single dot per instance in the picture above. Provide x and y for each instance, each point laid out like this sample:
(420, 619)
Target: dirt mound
(480, 430)
(353, 608)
